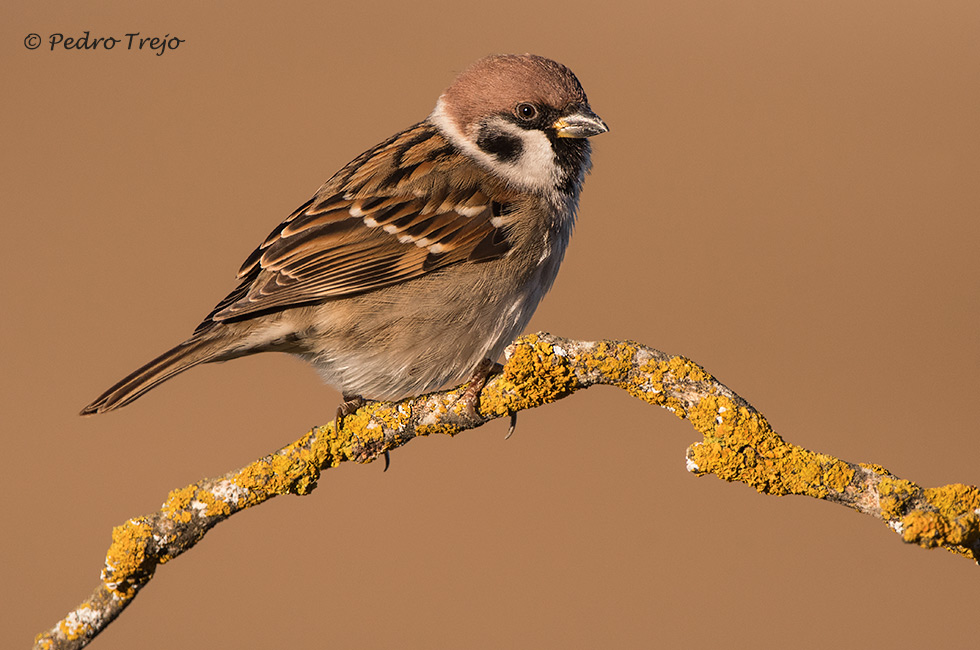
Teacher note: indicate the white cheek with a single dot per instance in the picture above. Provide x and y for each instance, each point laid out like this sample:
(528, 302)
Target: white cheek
(536, 166)
(534, 170)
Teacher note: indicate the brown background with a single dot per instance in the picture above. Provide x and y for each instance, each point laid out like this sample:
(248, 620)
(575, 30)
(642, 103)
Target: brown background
(788, 195)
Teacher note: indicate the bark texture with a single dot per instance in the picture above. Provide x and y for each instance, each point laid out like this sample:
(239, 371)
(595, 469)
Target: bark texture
(738, 445)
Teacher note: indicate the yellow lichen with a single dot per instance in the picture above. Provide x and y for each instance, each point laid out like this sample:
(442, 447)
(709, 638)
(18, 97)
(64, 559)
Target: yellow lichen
(951, 518)
(40, 643)
(650, 386)
(533, 375)
(684, 368)
(213, 506)
(394, 417)
(436, 429)
(177, 505)
(655, 371)
(954, 500)
(837, 474)
(713, 416)
(959, 508)
(75, 625)
(292, 473)
(893, 494)
(611, 361)
(126, 556)
(283, 473)
(741, 446)
(874, 467)
(925, 528)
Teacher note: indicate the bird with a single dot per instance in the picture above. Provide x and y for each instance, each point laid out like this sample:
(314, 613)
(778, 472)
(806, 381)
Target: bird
(418, 262)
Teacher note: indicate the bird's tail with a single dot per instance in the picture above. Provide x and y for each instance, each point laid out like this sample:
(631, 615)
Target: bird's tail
(172, 362)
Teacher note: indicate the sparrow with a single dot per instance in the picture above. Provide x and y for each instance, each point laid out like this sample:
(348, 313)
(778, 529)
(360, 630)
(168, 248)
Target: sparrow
(419, 261)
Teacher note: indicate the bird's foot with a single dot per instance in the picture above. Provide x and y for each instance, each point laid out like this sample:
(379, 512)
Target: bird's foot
(470, 398)
(349, 406)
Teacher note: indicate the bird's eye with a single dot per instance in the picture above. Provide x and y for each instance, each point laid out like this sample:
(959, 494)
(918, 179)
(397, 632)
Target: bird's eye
(526, 111)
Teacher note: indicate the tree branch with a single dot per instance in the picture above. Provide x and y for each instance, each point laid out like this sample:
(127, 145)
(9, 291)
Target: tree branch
(738, 445)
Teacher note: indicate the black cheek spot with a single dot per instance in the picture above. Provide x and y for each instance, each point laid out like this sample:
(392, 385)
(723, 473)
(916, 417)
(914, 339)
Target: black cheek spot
(504, 146)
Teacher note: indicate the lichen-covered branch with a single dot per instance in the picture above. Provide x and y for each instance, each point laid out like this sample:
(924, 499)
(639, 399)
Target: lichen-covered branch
(738, 445)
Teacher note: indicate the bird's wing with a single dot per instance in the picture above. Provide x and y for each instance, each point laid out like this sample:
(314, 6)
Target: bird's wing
(409, 206)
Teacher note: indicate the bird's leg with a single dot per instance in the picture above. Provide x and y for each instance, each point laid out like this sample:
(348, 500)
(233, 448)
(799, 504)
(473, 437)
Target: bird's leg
(350, 405)
(471, 396)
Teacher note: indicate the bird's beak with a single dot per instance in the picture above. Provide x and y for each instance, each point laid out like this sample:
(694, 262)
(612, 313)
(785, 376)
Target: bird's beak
(581, 124)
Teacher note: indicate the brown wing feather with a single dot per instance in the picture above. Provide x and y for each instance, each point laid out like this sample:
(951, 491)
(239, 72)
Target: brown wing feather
(409, 206)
